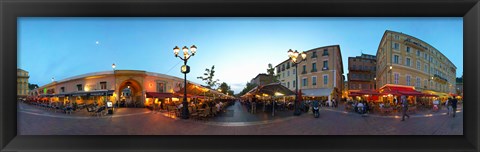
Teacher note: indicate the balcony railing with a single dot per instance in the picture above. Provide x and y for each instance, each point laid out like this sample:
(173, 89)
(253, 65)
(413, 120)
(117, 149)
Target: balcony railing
(325, 54)
(440, 78)
(304, 72)
(314, 70)
(415, 43)
(324, 68)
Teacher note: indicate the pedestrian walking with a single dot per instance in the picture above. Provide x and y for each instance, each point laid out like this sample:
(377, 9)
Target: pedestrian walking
(404, 107)
(454, 105)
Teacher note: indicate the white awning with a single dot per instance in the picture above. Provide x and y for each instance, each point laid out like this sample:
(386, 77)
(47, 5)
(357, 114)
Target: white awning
(317, 92)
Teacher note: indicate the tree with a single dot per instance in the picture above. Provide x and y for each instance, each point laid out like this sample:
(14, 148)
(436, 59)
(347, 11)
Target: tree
(224, 88)
(208, 77)
(247, 88)
(32, 86)
(271, 74)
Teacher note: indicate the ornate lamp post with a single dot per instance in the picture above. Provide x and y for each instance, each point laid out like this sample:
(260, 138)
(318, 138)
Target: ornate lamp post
(294, 57)
(115, 85)
(185, 69)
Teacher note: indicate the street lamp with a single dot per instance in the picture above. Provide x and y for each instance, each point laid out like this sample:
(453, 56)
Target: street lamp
(390, 74)
(294, 57)
(115, 84)
(185, 69)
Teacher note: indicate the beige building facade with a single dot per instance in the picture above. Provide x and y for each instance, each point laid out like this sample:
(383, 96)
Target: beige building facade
(406, 60)
(321, 74)
(361, 72)
(22, 83)
(130, 86)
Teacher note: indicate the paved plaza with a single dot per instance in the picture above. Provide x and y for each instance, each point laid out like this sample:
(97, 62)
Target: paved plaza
(33, 120)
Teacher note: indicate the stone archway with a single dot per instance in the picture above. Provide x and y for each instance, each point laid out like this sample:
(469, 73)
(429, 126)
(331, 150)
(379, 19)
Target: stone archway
(134, 97)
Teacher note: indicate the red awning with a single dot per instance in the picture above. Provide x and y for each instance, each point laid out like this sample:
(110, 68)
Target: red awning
(188, 95)
(363, 92)
(159, 95)
(401, 90)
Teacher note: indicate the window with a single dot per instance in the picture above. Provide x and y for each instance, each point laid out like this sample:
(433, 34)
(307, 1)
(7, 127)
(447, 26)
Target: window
(79, 87)
(425, 83)
(408, 62)
(161, 87)
(425, 56)
(325, 65)
(408, 80)
(425, 68)
(304, 82)
(418, 82)
(395, 59)
(103, 85)
(396, 78)
(408, 49)
(325, 52)
(396, 46)
(314, 54)
(354, 67)
(288, 84)
(418, 52)
(288, 73)
(325, 79)
(293, 71)
(397, 37)
(418, 65)
(314, 67)
(294, 84)
(314, 80)
(304, 69)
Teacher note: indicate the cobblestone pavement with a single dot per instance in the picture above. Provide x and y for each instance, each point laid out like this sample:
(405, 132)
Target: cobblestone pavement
(139, 121)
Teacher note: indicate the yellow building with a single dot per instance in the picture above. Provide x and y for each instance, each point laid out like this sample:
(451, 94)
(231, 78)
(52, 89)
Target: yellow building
(321, 75)
(406, 60)
(22, 83)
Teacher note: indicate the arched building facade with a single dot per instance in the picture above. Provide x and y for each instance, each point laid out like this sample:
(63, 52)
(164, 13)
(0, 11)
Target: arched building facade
(122, 87)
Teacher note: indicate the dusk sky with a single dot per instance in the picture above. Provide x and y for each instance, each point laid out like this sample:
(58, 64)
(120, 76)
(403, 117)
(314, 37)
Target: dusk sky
(240, 48)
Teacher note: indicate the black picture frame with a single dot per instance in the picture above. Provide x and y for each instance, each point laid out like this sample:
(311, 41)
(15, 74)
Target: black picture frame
(11, 9)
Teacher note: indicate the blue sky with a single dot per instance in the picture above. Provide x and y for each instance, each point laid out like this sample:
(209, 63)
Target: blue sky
(240, 48)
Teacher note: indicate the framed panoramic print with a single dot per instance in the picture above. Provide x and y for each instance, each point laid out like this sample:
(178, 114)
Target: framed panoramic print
(239, 75)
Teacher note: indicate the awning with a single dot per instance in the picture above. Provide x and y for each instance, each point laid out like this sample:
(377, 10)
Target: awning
(46, 95)
(317, 92)
(159, 95)
(92, 93)
(100, 93)
(400, 90)
(434, 93)
(274, 89)
(363, 92)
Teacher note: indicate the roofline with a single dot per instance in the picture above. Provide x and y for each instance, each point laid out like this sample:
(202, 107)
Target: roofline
(110, 72)
(335, 45)
(421, 41)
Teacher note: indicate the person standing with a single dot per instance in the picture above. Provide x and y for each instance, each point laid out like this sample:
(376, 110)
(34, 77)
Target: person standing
(404, 107)
(454, 105)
